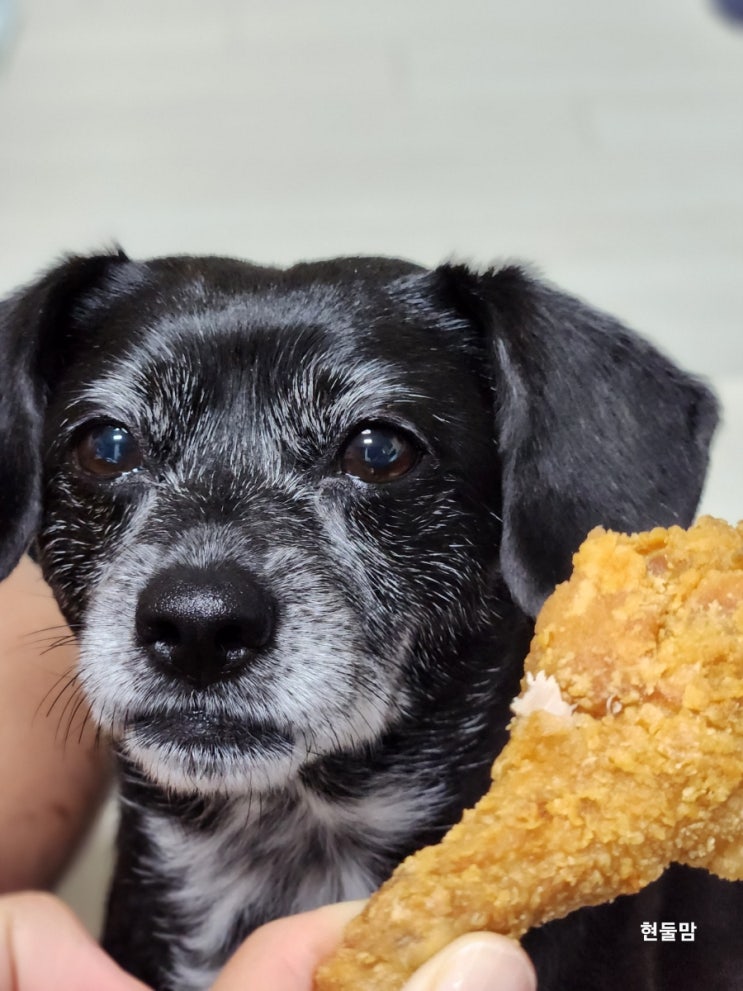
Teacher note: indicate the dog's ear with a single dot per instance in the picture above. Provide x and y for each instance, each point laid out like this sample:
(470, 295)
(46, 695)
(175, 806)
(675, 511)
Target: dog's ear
(593, 424)
(36, 324)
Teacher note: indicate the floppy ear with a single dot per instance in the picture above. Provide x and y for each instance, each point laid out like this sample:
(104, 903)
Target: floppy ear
(594, 425)
(35, 331)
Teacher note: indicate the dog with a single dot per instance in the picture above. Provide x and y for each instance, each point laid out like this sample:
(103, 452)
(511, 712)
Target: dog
(300, 522)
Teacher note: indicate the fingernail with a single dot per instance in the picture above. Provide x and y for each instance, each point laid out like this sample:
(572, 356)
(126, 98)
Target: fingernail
(482, 962)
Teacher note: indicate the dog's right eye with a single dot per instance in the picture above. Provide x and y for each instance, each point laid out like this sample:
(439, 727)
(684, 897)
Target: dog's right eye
(107, 450)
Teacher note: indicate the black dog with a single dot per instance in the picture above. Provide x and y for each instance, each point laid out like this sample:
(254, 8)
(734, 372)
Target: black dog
(300, 522)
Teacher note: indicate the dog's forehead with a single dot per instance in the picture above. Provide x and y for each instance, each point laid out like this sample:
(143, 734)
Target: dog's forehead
(255, 351)
(303, 362)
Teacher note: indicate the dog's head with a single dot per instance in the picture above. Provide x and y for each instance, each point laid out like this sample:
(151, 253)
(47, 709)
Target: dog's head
(266, 499)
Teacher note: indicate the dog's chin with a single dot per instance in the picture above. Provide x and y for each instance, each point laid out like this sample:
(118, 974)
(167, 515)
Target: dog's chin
(195, 754)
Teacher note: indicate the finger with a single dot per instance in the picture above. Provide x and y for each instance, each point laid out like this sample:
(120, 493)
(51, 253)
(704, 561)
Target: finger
(476, 962)
(283, 955)
(43, 946)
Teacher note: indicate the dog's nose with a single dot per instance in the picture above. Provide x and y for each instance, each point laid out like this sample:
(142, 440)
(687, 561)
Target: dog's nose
(204, 625)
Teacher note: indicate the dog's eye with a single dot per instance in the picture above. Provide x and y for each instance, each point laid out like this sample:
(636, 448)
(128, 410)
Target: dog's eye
(379, 453)
(108, 450)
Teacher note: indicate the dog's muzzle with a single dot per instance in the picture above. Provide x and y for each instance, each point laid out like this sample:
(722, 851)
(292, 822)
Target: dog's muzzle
(203, 626)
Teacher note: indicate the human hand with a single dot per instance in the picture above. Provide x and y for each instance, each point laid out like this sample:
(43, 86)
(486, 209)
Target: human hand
(283, 956)
(49, 797)
(43, 946)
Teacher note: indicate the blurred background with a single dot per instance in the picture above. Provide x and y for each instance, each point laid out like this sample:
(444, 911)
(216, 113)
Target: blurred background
(600, 141)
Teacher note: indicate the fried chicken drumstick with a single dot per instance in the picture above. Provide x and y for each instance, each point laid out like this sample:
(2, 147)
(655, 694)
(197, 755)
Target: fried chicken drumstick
(624, 756)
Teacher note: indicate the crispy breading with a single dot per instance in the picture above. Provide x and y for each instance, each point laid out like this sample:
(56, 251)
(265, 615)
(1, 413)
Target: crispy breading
(630, 761)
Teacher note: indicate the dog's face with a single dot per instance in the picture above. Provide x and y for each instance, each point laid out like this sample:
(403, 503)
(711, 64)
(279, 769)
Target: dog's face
(266, 503)
(273, 503)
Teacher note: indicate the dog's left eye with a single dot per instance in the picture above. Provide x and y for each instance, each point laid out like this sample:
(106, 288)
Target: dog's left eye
(379, 453)
(108, 450)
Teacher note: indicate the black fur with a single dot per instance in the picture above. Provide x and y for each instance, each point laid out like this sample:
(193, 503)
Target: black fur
(537, 418)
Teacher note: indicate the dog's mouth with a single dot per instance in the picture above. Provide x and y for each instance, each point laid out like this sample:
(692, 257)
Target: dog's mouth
(206, 732)
(195, 751)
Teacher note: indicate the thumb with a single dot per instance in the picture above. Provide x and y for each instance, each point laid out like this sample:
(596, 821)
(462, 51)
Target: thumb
(476, 962)
(283, 955)
(43, 946)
